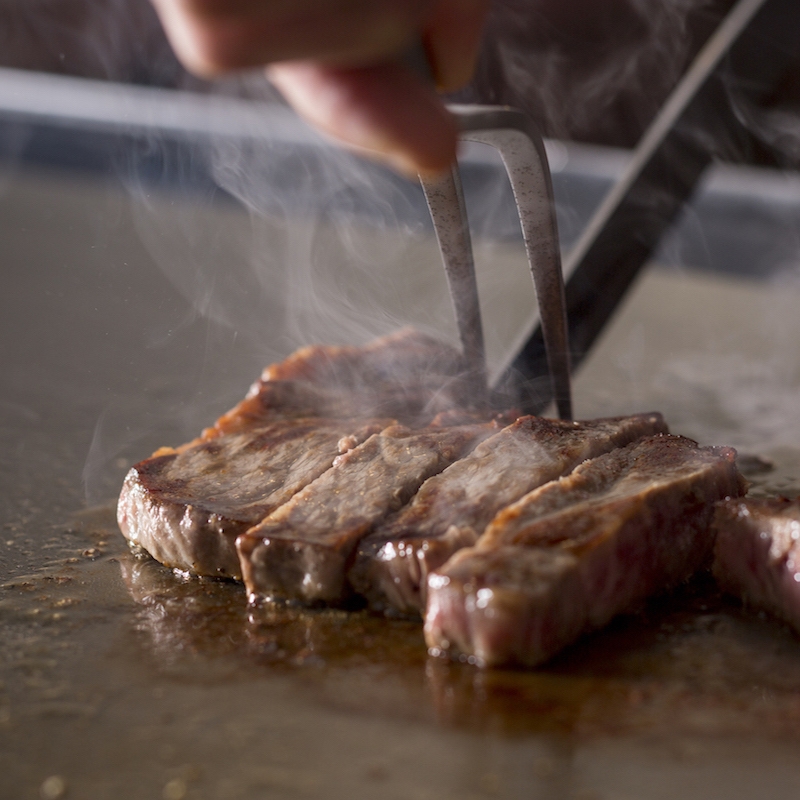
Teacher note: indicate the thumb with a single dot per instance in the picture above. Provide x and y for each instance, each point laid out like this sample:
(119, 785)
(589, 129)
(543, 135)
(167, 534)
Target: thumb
(385, 110)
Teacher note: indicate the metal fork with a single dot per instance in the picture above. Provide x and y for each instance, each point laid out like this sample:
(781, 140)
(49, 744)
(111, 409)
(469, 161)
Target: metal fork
(522, 150)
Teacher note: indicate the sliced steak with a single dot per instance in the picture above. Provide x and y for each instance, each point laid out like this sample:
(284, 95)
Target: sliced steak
(572, 554)
(270, 402)
(757, 554)
(187, 507)
(407, 356)
(452, 509)
(301, 551)
(407, 375)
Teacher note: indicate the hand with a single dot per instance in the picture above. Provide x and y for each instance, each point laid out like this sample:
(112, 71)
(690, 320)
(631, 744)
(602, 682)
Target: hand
(339, 63)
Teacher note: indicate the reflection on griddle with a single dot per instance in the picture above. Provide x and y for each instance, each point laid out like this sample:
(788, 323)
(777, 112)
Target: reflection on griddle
(691, 663)
(210, 618)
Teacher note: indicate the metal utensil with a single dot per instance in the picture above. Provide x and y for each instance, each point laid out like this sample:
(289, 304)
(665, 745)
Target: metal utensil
(522, 150)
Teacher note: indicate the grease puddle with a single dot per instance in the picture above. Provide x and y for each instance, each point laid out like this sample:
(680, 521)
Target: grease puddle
(117, 672)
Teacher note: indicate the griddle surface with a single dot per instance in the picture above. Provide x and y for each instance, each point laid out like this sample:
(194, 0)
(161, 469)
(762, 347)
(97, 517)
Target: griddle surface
(126, 680)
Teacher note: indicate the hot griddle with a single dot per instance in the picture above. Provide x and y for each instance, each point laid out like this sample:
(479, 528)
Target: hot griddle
(120, 679)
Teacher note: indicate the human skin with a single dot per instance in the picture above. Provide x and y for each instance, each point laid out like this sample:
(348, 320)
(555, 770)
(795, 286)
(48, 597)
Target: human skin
(340, 64)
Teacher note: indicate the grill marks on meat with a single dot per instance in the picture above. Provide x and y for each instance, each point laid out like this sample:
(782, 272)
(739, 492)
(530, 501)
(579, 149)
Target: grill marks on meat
(574, 553)
(187, 507)
(452, 509)
(757, 554)
(301, 551)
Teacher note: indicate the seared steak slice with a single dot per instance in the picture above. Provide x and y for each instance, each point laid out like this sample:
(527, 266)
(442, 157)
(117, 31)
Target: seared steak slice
(301, 551)
(404, 357)
(187, 507)
(757, 554)
(572, 554)
(452, 509)
(269, 402)
(407, 375)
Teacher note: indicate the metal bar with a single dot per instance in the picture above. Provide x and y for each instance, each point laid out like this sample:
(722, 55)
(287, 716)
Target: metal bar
(757, 37)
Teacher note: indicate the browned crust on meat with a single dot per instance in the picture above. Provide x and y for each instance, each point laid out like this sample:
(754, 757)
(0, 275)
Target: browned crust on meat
(577, 551)
(187, 522)
(187, 507)
(757, 554)
(406, 355)
(301, 551)
(452, 509)
(279, 400)
(407, 375)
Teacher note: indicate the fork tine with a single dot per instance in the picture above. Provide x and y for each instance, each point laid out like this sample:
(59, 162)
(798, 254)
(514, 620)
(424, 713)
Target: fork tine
(521, 147)
(446, 203)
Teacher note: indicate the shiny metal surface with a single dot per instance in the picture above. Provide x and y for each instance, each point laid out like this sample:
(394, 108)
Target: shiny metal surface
(445, 197)
(119, 679)
(521, 148)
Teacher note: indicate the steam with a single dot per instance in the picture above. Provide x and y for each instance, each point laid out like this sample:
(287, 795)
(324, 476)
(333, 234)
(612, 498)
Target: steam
(781, 131)
(778, 128)
(114, 39)
(321, 225)
(315, 248)
(587, 70)
(300, 242)
(318, 272)
(305, 269)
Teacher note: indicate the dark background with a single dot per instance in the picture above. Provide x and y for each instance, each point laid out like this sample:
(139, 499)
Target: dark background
(588, 71)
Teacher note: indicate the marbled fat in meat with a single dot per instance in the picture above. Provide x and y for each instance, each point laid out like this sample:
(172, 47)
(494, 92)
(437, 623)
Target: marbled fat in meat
(572, 554)
(452, 509)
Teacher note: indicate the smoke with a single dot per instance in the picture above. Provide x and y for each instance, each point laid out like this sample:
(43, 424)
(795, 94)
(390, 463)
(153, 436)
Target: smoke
(296, 242)
(314, 261)
(310, 265)
(781, 131)
(777, 128)
(589, 71)
(598, 72)
(317, 212)
(113, 39)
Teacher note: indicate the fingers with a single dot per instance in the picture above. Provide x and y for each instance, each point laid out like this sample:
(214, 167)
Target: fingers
(386, 111)
(452, 37)
(339, 63)
(213, 36)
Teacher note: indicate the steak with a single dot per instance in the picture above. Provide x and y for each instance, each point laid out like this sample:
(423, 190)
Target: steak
(406, 358)
(569, 556)
(269, 402)
(186, 507)
(452, 509)
(301, 551)
(406, 375)
(757, 554)
(366, 469)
